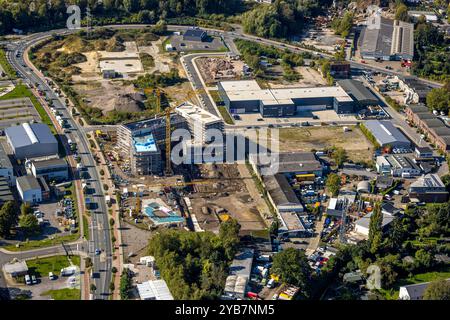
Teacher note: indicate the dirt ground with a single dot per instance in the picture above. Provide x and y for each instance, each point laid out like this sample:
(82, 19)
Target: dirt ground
(231, 195)
(325, 39)
(304, 139)
(109, 95)
(214, 69)
(310, 78)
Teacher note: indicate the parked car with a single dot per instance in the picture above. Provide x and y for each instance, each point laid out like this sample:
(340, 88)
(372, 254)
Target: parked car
(51, 276)
(33, 279)
(27, 279)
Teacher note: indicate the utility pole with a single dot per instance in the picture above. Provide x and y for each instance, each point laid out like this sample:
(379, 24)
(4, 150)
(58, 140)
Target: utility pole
(88, 22)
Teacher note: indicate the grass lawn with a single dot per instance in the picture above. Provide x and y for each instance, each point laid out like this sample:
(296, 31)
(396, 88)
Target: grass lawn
(438, 274)
(85, 227)
(42, 266)
(64, 294)
(35, 244)
(11, 74)
(225, 115)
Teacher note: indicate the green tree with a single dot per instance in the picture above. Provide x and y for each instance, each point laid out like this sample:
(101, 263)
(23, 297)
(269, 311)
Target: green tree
(437, 290)
(25, 209)
(333, 184)
(29, 223)
(229, 236)
(160, 28)
(439, 99)
(92, 288)
(339, 156)
(375, 231)
(342, 25)
(8, 218)
(125, 284)
(401, 13)
(291, 265)
(424, 259)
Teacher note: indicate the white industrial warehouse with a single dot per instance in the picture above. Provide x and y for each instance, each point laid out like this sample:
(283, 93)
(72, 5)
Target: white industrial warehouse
(31, 140)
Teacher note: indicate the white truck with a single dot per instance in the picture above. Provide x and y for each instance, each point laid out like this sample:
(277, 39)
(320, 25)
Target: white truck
(65, 272)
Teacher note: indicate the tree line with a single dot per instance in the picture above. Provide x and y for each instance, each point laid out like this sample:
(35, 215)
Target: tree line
(28, 14)
(195, 265)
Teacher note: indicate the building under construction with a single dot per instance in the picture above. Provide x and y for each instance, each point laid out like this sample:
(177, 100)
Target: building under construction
(144, 142)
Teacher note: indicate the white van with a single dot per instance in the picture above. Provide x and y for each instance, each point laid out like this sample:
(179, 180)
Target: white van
(27, 279)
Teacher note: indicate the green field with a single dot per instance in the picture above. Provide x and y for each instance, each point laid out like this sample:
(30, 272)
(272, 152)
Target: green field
(42, 266)
(10, 73)
(225, 115)
(439, 274)
(36, 244)
(64, 294)
(85, 227)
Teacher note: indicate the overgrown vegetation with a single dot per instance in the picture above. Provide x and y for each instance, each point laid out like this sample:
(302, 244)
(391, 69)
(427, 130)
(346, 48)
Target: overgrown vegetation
(418, 234)
(369, 136)
(52, 14)
(280, 19)
(254, 54)
(432, 56)
(194, 265)
(439, 99)
(9, 71)
(343, 25)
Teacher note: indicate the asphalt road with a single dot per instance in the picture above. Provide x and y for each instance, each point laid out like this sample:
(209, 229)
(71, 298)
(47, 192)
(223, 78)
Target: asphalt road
(99, 230)
(78, 247)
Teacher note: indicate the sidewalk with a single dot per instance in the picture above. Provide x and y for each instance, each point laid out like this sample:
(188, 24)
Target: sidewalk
(117, 246)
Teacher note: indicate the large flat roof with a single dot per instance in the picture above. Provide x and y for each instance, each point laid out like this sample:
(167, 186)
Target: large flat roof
(195, 113)
(242, 263)
(428, 181)
(28, 183)
(249, 90)
(280, 190)
(385, 132)
(154, 290)
(387, 37)
(357, 90)
(27, 134)
(5, 162)
(50, 163)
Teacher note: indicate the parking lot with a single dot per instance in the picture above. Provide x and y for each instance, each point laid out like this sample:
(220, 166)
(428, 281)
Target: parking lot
(210, 44)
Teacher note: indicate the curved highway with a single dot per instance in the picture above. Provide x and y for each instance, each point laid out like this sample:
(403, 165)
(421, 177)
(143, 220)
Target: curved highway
(99, 229)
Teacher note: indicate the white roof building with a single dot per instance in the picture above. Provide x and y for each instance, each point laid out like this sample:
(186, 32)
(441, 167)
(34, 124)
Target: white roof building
(154, 290)
(413, 291)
